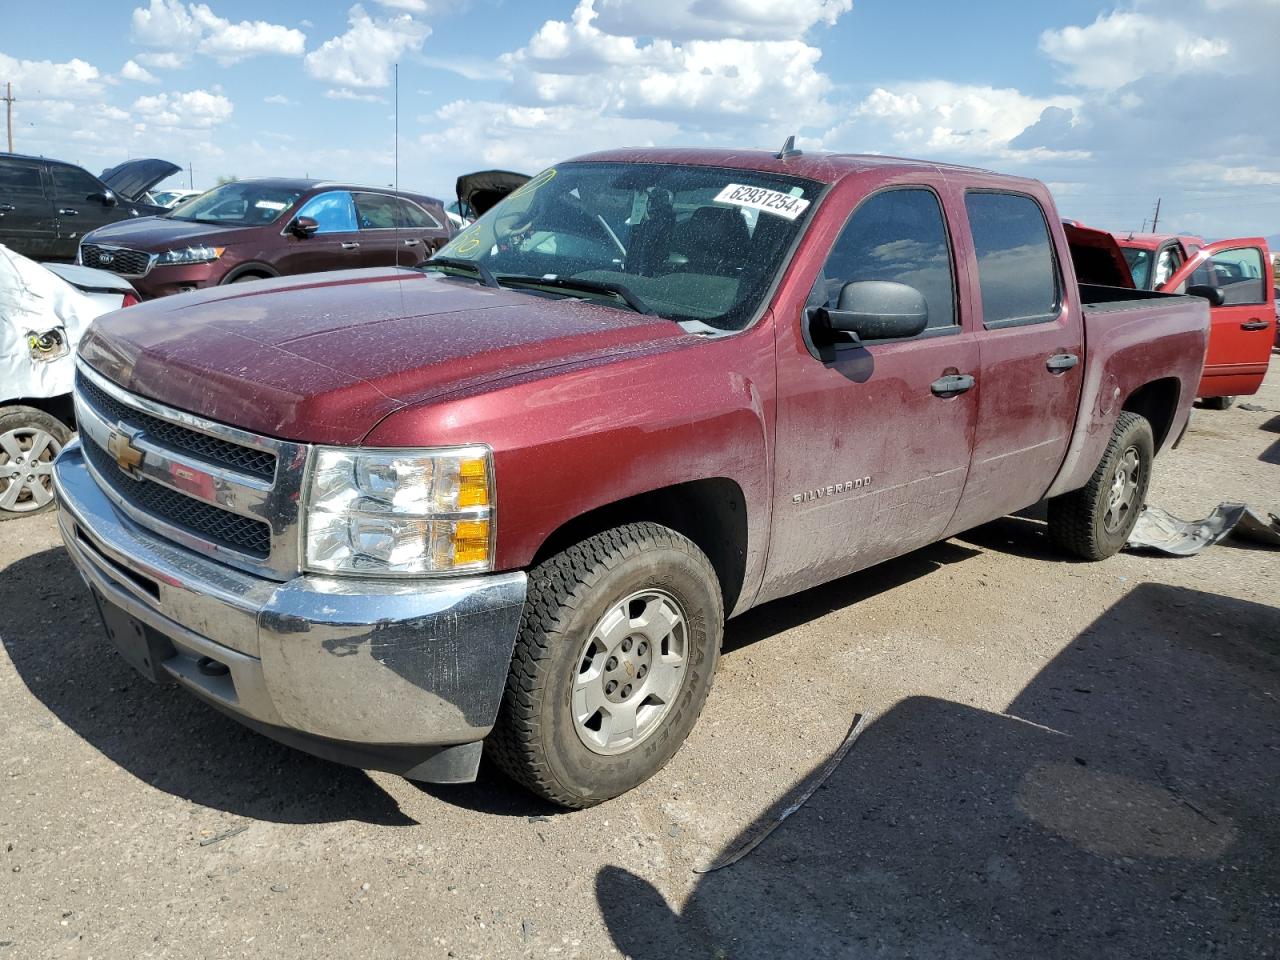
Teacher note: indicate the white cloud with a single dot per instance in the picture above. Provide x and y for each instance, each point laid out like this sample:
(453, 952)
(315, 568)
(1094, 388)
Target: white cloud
(193, 110)
(950, 121)
(343, 93)
(362, 57)
(132, 71)
(1124, 46)
(717, 19)
(181, 29)
(161, 61)
(278, 98)
(73, 79)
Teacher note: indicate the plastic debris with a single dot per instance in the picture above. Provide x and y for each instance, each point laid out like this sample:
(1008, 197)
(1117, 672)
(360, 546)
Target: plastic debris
(1158, 531)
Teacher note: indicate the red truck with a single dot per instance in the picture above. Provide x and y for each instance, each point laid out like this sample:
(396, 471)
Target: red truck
(509, 499)
(1235, 275)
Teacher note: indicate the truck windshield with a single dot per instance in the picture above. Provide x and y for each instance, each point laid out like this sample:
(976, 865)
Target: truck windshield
(699, 245)
(244, 204)
(1139, 261)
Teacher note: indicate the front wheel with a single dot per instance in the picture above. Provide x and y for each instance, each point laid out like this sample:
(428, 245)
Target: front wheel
(30, 439)
(1095, 521)
(617, 648)
(1218, 403)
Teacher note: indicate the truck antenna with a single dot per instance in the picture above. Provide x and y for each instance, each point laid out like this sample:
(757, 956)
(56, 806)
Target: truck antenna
(788, 149)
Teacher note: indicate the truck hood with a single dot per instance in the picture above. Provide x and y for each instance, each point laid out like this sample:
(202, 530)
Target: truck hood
(324, 358)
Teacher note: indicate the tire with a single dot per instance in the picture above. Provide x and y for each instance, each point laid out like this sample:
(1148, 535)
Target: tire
(248, 277)
(1095, 521)
(26, 488)
(638, 606)
(1218, 403)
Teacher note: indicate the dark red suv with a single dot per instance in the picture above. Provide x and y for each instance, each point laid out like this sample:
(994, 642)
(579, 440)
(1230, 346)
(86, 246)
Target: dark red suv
(251, 229)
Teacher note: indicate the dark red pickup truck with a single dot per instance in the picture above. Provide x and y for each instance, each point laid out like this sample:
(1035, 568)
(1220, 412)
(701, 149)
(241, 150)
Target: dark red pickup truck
(510, 498)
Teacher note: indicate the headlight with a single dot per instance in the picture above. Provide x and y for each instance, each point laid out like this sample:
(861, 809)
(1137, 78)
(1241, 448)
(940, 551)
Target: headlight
(400, 512)
(190, 255)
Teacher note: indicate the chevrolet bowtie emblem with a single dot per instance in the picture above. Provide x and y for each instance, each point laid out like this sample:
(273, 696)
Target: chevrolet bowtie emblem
(127, 457)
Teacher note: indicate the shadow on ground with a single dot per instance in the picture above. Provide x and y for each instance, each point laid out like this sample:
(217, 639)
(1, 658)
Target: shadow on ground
(1123, 806)
(161, 734)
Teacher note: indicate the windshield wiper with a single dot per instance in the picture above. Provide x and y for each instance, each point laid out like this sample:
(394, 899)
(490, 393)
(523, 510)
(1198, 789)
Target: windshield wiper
(618, 290)
(479, 269)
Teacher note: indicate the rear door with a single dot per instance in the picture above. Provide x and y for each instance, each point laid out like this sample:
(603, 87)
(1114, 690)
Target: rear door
(80, 201)
(334, 246)
(380, 240)
(1243, 328)
(873, 439)
(421, 234)
(1032, 348)
(27, 222)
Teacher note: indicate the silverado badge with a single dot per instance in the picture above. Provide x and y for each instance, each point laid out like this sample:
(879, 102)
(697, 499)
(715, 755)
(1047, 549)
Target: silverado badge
(128, 457)
(830, 490)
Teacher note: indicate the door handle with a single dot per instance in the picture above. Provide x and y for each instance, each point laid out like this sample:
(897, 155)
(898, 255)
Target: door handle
(350, 245)
(412, 243)
(952, 384)
(1061, 362)
(68, 212)
(1253, 323)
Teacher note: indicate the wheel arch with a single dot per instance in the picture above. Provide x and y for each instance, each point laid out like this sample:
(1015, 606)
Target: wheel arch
(254, 268)
(711, 512)
(1157, 402)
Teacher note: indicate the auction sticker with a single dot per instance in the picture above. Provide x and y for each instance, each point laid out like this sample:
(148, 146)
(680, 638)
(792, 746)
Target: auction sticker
(762, 199)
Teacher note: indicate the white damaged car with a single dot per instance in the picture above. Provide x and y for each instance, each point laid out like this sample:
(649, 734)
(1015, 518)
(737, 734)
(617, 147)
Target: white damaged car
(44, 309)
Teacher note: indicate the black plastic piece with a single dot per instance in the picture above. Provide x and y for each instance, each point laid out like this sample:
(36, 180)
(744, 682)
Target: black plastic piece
(1215, 295)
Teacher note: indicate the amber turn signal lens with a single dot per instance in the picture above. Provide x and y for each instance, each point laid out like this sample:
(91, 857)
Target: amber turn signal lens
(473, 483)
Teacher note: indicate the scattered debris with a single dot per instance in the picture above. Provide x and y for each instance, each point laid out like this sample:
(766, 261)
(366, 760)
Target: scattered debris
(234, 831)
(757, 834)
(1254, 408)
(1159, 531)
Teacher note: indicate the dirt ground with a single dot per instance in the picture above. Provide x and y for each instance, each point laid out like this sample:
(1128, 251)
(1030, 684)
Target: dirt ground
(1062, 760)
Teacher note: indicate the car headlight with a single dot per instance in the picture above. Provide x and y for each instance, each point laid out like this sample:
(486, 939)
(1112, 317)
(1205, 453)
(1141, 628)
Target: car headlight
(201, 254)
(400, 512)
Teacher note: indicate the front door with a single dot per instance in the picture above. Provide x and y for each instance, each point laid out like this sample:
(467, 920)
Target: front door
(336, 243)
(1243, 328)
(27, 222)
(81, 202)
(1032, 358)
(873, 440)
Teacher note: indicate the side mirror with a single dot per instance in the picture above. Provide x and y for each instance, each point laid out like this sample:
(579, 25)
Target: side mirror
(1215, 295)
(106, 198)
(303, 227)
(877, 310)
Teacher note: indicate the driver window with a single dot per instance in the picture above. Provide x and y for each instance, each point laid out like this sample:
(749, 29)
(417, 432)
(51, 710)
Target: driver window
(334, 211)
(897, 235)
(1240, 274)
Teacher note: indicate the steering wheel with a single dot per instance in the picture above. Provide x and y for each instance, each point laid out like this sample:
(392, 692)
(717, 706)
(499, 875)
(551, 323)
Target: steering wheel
(505, 226)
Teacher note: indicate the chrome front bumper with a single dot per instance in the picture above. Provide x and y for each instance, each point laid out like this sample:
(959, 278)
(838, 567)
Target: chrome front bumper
(378, 674)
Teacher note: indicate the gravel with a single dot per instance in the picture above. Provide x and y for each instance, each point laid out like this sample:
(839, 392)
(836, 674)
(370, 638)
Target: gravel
(1063, 759)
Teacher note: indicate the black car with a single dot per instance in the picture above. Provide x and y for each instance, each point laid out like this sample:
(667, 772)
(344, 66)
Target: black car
(46, 206)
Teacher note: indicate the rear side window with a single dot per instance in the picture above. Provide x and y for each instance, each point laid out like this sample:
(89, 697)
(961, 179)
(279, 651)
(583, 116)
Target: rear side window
(74, 183)
(20, 178)
(897, 235)
(376, 211)
(1016, 267)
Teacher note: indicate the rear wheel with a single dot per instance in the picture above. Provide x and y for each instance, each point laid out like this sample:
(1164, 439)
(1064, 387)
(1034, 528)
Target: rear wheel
(617, 648)
(1218, 403)
(30, 439)
(1095, 521)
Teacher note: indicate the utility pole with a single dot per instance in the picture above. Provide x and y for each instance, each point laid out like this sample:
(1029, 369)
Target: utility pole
(8, 111)
(1156, 218)
(190, 177)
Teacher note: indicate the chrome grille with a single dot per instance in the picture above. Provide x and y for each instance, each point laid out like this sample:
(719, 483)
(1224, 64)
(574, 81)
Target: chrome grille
(211, 450)
(210, 487)
(203, 519)
(127, 263)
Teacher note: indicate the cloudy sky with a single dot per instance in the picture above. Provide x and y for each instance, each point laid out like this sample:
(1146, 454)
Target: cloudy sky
(1113, 104)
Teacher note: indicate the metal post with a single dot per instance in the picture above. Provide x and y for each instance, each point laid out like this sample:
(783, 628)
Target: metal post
(8, 110)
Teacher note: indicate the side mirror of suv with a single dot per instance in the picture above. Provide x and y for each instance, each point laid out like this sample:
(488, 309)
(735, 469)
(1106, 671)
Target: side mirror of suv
(106, 198)
(876, 310)
(303, 227)
(1215, 295)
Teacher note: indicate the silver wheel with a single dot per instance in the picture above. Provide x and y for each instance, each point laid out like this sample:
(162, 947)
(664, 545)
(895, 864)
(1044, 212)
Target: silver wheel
(26, 469)
(629, 672)
(1124, 491)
